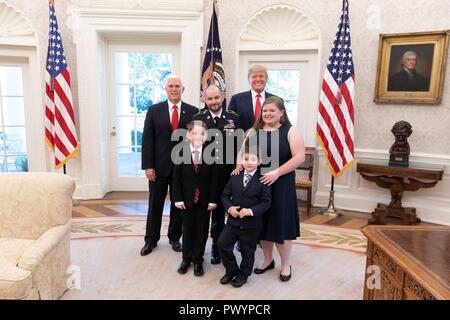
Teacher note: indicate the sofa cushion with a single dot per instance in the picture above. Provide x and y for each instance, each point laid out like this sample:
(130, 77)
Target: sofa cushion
(15, 283)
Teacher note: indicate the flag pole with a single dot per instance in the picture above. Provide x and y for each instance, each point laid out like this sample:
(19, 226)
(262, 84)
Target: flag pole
(211, 77)
(331, 209)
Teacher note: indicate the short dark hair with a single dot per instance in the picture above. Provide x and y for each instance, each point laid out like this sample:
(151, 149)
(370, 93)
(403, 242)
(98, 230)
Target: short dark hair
(194, 123)
(251, 149)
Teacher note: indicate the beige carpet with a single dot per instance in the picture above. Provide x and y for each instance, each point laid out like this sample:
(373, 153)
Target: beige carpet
(107, 254)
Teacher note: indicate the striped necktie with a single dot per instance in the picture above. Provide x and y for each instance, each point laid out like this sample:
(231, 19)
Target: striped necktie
(247, 178)
(196, 162)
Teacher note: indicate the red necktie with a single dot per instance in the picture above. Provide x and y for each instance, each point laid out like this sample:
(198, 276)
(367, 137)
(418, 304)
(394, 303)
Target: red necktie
(174, 118)
(196, 162)
(257, 106)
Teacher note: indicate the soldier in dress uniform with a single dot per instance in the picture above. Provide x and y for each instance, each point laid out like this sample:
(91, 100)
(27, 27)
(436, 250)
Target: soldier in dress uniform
(228, 124)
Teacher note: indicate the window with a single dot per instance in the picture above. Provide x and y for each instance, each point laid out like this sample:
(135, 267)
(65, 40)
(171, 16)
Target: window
(285, 83)
(13, 146)
(139, 83)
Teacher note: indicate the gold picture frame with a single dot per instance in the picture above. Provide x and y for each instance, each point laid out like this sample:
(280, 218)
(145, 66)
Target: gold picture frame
(411, 67)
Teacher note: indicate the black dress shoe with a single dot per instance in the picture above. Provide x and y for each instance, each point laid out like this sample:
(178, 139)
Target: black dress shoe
(215, 259)
(176, 246)
(198, 270)
(147, 248)
(226, 279)
(285, 278)
(238, 281)
(269, 267)
(184, 266)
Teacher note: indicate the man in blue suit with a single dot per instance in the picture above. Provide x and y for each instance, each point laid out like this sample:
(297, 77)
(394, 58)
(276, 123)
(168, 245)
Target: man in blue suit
(161, 121)
(248, 104)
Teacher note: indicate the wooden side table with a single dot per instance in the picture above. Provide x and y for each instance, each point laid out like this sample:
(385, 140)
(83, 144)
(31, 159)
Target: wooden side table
(410, 263)
(398, 180)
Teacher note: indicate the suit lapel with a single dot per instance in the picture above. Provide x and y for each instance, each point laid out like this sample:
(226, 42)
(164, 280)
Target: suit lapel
(209, 120)
(241, 183)
(166, 114)
(250, 113)
(183, 115)
(253, 179)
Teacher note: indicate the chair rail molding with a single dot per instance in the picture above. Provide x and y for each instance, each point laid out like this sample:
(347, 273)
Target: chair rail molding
(279, 27)
(352, 192)
(15, 29)
(94, 24)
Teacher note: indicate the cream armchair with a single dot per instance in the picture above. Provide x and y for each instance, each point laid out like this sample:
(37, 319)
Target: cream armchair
(35, 220)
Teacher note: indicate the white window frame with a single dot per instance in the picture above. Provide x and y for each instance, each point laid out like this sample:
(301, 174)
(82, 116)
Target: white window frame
(26, 57)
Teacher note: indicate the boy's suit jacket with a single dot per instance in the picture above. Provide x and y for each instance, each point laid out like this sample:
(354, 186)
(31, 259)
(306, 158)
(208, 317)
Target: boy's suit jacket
(185, 180)
(255, 196)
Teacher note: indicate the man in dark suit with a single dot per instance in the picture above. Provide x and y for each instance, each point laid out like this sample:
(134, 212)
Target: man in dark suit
(246, 199)
(161, 121)
(408, 79)
(248, 104)
(195, 193)
(227, 122)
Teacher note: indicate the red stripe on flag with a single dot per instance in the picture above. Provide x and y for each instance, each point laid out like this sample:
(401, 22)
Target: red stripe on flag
(339, 115)
(60, 146)
(349, 100)
(330, 157)
(333, 133)
(62, 122)
(66, 102)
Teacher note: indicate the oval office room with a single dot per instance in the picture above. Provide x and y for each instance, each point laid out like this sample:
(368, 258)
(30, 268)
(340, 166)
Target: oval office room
(319, 167)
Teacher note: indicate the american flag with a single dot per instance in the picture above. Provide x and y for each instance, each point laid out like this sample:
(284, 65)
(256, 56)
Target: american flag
(335, 117)
(60, 131)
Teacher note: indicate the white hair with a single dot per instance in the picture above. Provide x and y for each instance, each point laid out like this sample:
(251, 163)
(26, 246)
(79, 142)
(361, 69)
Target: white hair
(174, 76)
(408, 54)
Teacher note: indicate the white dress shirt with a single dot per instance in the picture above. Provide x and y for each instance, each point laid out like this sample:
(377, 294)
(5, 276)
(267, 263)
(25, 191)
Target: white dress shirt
(262, 98)
(171, 109)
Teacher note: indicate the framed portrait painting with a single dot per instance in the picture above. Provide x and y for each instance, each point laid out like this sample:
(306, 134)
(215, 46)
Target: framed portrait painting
(411, 67)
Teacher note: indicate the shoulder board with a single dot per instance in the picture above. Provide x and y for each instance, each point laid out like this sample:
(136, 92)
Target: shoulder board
(232, 112)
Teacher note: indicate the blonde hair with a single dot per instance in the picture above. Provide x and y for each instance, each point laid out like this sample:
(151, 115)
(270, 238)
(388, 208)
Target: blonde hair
(257, 68)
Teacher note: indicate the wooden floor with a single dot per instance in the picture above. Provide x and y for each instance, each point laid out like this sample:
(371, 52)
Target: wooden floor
(136, 203)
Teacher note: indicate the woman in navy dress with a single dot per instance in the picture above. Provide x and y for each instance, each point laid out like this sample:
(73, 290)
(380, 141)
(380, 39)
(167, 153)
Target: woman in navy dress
(282, 223)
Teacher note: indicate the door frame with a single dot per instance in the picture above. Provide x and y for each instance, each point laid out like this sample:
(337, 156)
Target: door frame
(167, 45)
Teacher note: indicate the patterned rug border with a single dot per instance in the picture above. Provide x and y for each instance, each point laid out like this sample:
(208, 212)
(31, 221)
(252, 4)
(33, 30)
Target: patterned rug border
(311, 234)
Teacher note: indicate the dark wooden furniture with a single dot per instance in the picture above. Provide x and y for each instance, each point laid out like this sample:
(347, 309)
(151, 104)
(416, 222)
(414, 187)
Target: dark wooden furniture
(398, 180)
(412, 262)
(305, 182)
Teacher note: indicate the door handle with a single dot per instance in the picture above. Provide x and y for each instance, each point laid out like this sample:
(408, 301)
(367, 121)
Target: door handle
(113, 131)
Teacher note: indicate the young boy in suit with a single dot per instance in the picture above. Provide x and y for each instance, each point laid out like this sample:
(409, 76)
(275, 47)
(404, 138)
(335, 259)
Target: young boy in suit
(246, 199)
(195, 193)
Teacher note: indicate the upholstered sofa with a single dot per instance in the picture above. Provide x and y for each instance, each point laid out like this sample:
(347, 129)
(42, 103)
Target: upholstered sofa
(35, 220)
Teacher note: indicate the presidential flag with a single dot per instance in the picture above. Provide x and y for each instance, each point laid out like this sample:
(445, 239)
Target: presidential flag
(335, 117)
(212, 72)
(60, 131)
